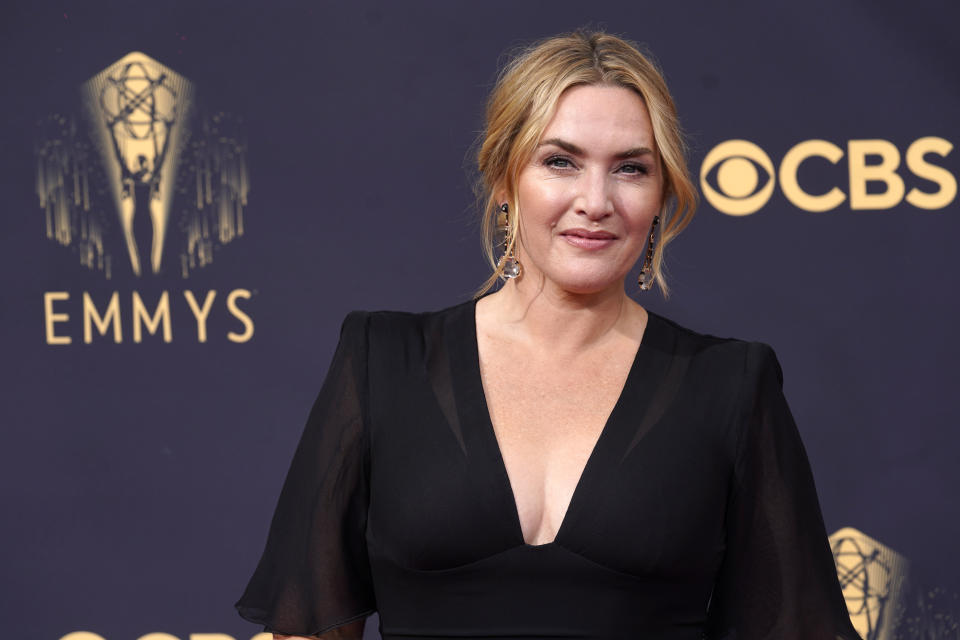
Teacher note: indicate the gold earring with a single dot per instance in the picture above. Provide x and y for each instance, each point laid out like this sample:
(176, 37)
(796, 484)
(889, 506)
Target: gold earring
(508, 266)
(646, 271)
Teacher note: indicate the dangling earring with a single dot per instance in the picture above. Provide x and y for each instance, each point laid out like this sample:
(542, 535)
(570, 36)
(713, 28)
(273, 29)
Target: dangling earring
(646, 271)
(508, 266)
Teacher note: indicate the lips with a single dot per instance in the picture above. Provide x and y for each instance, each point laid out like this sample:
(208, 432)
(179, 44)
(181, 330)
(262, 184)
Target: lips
(584, 233)
(590, 240)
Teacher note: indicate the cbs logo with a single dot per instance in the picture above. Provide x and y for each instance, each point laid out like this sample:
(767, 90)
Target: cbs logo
(738, 190)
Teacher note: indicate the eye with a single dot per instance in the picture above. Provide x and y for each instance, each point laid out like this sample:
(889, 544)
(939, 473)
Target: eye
(558, 162)
(634, 168)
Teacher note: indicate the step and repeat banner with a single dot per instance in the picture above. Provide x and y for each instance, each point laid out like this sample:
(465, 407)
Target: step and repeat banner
(196, 193)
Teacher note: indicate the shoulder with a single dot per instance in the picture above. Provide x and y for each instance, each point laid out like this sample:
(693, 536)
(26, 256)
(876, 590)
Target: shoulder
(732, 379)
(749, 354)
(734, 365)
(396, 327)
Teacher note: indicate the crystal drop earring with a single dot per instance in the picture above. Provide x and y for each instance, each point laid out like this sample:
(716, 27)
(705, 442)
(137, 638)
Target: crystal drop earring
(646, 271)
(508, 266)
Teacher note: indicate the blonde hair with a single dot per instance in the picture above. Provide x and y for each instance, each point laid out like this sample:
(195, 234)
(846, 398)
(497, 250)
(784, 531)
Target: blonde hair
(523, 102)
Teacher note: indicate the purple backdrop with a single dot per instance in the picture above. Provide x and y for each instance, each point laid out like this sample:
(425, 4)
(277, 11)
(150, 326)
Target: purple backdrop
(138, 478)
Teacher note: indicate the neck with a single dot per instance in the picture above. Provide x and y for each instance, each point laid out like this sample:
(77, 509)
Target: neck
(568, 322)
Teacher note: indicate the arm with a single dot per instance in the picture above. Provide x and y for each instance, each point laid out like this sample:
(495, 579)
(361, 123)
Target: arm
(778, 579)
(314, 577)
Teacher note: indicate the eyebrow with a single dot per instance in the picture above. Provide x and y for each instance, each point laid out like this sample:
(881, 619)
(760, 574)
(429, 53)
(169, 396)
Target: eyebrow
(574, 149)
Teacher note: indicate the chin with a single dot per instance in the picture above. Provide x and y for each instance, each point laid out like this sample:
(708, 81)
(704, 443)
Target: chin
(584, 276)
(583, 285)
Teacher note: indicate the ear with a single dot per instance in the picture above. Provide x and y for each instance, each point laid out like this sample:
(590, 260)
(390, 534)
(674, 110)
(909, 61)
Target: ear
(501, 193)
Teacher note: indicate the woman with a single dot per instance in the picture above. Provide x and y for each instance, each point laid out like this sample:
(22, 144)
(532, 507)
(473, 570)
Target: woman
(552, 460)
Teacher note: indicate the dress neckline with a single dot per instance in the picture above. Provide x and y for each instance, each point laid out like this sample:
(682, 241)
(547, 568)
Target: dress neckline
(587, 474)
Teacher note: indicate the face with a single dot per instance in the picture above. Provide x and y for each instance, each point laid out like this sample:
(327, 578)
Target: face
(590, 191)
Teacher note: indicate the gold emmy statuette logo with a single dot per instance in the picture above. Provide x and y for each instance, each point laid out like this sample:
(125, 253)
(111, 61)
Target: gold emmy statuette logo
(738, 191)
(138, 109)
(873, 578)
(145, 184)
(148, 158)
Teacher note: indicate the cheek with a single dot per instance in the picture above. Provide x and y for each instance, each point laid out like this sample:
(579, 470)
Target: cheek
(640, 205)
(542, 202)
(643, 208)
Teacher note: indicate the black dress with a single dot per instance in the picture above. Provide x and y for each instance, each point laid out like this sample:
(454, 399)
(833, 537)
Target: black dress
(695, 517)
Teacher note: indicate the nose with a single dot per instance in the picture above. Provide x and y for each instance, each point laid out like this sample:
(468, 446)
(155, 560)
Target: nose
(595, 200)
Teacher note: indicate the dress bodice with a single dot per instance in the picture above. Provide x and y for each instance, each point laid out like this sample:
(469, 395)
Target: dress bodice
(695, 515)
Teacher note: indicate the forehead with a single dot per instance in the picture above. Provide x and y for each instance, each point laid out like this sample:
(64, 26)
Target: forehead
(601, 115)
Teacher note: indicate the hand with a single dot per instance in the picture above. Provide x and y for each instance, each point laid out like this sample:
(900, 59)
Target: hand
(351, 631)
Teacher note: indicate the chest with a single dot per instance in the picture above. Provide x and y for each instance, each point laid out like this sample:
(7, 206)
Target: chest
(491, 469)
(621, 461)
(547, 413)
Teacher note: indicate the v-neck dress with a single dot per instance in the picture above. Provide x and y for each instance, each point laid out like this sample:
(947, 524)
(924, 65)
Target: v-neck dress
(696, 514)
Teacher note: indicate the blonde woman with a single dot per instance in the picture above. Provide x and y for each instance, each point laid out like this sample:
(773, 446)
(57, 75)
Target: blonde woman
(551, 460)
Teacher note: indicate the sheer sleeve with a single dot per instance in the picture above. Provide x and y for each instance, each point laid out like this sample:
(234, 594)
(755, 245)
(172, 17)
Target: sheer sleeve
(314, 574)
(778, 579)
